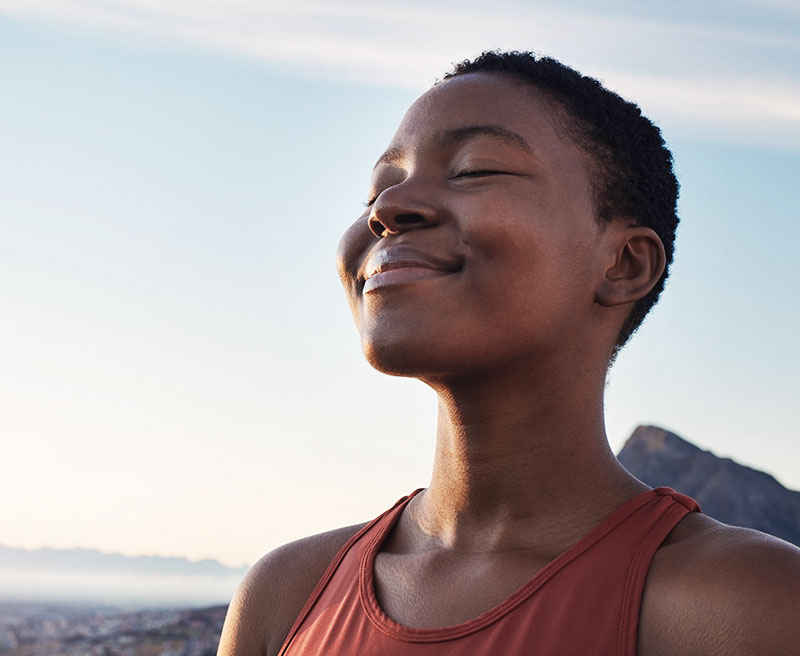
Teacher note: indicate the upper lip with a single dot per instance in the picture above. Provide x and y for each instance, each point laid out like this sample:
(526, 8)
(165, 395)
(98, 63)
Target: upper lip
(396, 257)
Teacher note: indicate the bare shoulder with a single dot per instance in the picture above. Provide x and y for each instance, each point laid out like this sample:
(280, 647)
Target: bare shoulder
(718, 589)
(274, 591)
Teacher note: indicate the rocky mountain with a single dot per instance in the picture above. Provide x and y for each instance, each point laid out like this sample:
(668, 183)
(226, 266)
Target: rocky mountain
(730, 492)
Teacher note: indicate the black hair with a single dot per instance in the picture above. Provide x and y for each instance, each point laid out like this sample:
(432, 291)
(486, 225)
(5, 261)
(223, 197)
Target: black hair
(634, 177)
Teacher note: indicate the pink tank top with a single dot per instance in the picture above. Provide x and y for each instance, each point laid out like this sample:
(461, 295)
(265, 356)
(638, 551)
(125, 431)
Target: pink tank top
(586, 601)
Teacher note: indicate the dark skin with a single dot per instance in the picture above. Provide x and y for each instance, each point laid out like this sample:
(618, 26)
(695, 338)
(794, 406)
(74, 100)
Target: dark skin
(481, 269)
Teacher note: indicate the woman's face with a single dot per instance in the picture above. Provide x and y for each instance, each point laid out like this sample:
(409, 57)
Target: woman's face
(477, 251)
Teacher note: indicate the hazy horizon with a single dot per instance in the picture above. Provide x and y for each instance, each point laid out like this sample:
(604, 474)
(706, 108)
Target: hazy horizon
(116, 589)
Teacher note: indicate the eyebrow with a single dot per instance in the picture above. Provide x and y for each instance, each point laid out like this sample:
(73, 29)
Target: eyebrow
(460, 136)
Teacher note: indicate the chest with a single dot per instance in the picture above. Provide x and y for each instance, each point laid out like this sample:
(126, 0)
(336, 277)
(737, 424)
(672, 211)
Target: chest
(430, 591)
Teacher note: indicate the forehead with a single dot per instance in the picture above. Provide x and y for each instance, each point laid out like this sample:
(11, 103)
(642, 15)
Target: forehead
(487, 99)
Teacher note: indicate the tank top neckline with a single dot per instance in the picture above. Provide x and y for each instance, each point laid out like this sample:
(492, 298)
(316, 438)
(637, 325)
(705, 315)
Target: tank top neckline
(398, 631)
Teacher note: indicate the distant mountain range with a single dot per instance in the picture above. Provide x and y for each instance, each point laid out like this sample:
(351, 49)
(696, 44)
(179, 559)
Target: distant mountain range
(91, 560)
(727, 491)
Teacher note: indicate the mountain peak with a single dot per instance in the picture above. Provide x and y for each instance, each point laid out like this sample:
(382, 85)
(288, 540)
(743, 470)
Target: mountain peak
(654, 439)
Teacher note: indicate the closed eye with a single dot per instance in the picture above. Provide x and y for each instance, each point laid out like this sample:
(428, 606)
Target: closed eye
(478, 173)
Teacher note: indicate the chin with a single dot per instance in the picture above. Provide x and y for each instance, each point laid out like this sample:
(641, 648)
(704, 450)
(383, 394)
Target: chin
(426, 359)
(398, 345)
(396, 359)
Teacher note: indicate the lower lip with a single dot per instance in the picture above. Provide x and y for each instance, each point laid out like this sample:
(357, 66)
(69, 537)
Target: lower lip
(401, 276)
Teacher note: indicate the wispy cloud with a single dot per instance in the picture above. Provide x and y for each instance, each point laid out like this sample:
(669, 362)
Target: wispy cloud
(787, 5)
(743, 110)
(656, 62)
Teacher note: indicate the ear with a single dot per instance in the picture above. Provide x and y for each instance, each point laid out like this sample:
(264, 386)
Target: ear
(637, 260)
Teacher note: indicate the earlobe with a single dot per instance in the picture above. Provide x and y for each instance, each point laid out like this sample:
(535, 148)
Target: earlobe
(639, 261)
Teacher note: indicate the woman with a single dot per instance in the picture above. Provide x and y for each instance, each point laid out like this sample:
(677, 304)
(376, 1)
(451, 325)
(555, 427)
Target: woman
(519, 228)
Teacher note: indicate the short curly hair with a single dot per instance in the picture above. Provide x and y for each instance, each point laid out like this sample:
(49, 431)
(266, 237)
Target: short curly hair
(634, 177)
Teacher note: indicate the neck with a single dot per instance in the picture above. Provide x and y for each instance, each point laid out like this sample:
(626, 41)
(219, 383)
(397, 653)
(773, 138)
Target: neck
(516, 457)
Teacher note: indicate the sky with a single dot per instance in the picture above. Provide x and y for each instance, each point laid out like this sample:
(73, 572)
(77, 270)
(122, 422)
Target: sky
(179, 372)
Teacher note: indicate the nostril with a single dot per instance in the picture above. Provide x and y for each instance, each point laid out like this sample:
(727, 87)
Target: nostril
(384, 222)
(409, 219)
(376, 227)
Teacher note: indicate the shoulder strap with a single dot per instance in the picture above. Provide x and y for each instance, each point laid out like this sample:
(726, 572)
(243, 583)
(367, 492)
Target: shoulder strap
(677, 507)
(326, 577)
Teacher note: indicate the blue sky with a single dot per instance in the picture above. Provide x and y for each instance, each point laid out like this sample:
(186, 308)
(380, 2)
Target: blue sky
(179, 370)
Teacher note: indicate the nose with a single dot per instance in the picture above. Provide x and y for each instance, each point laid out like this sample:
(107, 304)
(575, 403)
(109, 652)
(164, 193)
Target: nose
(401, 208)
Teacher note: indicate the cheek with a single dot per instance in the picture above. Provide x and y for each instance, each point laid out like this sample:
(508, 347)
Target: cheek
(533, 275)
(350, 252)
(354, 242)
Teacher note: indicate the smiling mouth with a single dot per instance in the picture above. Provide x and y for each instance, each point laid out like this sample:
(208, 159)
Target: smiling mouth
(402, 265)
(402, 274)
